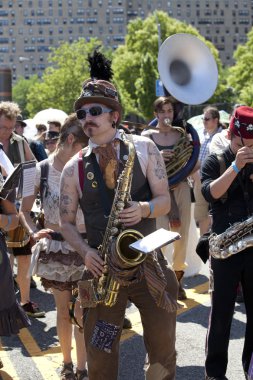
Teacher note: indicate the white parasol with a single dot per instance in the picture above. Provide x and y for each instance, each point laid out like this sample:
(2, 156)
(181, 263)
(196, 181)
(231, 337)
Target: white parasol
(48, 114)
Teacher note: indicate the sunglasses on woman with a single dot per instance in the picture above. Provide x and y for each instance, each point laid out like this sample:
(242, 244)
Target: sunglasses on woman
(93, 111)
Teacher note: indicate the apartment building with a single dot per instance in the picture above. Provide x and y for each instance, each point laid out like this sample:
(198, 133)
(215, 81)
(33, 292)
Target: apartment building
(29, 27)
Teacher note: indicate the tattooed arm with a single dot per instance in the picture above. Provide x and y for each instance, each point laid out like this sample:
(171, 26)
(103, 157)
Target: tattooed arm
(158, 182)
(69, 199)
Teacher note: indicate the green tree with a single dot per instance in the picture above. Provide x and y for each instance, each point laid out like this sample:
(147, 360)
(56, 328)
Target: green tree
(240, 76)
(135, 62)
(20, 92)
(62, 80)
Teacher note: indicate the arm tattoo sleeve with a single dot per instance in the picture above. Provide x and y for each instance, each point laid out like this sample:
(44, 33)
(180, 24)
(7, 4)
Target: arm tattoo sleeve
(158, 163)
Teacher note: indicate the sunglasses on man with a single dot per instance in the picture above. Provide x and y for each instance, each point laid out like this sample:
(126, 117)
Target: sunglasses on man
(93, 111)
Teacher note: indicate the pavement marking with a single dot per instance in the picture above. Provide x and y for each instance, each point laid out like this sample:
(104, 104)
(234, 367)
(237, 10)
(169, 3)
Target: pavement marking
(195, 296)
(49, 360)
(47, 371)
(8, 372)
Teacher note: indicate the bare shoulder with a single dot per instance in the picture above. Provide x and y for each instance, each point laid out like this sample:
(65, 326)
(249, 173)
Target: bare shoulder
(69, 193)
(70, 169)
(69, 176)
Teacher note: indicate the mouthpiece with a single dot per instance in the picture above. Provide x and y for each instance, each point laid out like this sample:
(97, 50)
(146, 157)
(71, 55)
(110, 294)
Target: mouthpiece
(167, 121)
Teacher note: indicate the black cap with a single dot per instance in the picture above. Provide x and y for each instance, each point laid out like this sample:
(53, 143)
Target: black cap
(19, 119)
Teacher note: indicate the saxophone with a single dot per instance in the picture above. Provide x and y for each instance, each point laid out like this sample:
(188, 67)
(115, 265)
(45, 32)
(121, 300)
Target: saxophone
(105, 289)
(235, 239)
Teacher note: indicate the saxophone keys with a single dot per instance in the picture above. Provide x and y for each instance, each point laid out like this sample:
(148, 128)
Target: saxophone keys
(120, 206)
(114, 231)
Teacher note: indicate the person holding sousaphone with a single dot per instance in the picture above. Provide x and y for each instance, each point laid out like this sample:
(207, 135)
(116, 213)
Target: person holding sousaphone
(182, 81)
(173, 143)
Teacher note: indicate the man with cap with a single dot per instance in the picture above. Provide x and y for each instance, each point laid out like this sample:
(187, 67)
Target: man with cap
(231, 199)
(152, 286)
(20, 125)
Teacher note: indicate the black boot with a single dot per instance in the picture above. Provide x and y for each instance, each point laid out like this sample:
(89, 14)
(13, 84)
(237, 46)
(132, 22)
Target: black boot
(181, 292)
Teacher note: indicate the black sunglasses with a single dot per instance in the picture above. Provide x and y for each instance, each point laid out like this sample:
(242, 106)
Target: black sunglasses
(93, 111)
(206, 118)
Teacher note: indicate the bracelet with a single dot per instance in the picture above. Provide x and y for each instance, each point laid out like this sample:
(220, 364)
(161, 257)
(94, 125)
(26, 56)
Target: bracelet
(151, 208)
(235, 168)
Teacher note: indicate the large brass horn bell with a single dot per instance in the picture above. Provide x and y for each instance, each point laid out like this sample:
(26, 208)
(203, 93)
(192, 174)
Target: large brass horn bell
(187, 68)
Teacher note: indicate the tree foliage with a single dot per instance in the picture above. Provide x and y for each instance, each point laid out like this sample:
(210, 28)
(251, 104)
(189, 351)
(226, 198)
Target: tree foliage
(240, 76)
(20, 92)
(135, 62)
(62, 81)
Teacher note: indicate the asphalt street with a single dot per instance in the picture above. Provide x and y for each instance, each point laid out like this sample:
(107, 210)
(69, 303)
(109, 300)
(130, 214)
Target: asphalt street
(35, 353)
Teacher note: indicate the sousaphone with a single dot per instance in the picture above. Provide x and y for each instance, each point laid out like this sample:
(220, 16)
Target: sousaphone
(189, 73)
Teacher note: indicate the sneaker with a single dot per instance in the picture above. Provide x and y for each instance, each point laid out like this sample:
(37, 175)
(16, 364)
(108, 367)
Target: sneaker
(32, 310)
(216, 378)
(127, 323)
(82, 374)
(33, 284)
(67, 372)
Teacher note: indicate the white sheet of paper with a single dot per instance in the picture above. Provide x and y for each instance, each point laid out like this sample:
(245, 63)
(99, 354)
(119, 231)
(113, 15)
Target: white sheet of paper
(155, 240)
(28, 181)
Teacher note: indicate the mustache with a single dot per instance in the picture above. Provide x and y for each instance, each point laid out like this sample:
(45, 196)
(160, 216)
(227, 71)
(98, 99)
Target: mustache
(88, 124)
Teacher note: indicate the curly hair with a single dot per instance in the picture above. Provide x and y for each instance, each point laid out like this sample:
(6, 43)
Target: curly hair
(10, 110)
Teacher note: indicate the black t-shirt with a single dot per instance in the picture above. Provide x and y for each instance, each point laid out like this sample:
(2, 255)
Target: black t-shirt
(238, 204)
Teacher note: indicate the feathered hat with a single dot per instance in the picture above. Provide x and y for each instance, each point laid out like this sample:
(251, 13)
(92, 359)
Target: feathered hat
(98, 88)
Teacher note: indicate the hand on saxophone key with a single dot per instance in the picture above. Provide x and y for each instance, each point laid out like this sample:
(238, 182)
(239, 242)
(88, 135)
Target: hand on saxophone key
(131, 215)
(94, 262)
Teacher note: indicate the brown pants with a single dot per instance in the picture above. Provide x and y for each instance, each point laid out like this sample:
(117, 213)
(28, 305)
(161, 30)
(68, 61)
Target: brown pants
(159, 328)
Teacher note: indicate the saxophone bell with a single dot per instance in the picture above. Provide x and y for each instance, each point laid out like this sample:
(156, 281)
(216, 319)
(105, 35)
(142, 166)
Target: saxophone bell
(128, 256)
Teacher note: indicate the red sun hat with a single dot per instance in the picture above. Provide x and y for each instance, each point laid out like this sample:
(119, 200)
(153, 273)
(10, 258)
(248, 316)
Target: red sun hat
(241, 123)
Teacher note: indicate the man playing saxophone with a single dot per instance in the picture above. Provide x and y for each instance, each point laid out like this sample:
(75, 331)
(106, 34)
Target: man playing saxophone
(231, 197)
(122, 183)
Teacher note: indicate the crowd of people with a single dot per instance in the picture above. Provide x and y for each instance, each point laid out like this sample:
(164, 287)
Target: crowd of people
(87, 201)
